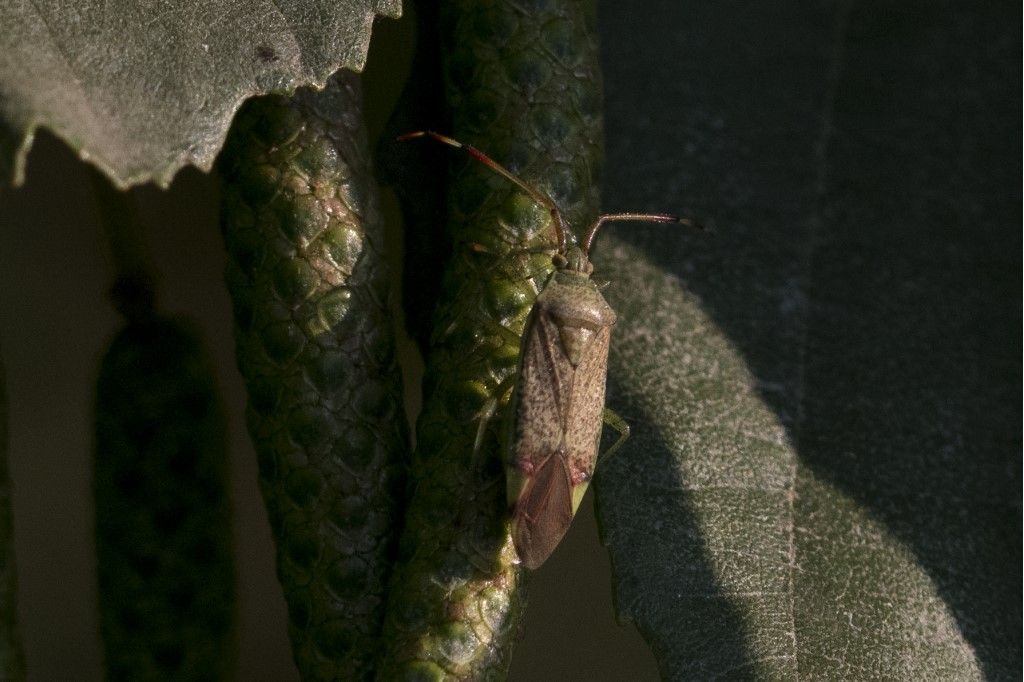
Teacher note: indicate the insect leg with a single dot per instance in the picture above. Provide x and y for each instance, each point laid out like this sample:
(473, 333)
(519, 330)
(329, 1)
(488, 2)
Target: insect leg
(490, 407)
(619, 424)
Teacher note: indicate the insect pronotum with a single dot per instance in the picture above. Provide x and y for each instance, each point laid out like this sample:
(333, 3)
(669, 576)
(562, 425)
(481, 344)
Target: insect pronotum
(557, 406)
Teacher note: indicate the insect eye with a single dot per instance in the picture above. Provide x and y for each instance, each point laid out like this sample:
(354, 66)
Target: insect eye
(559, 261)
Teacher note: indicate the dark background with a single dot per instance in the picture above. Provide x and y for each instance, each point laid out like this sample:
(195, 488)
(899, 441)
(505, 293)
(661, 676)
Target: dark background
(918, 118)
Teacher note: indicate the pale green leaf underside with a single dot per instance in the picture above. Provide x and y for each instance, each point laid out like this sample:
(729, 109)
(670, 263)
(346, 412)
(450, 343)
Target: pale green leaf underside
(141, 89)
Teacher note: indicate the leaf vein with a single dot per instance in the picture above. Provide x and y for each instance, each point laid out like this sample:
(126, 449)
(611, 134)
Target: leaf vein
(820, 157)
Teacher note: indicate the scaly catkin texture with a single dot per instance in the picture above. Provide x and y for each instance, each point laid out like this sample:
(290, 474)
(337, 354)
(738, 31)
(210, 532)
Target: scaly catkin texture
(12, 659)
(315, 345)
(523, 85)
(163, 527)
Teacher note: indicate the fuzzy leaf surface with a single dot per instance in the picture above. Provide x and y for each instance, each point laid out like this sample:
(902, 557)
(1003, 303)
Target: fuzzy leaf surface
(142, 89)
(824, 476)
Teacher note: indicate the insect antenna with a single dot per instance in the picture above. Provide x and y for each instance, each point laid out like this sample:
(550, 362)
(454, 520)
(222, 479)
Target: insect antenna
(635, 217)
(538, 196)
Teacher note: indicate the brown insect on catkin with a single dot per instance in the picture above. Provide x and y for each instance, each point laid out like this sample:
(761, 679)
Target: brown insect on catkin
(558, 401)
(525, 81)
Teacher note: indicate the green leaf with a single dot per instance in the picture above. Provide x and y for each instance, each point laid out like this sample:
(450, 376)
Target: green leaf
(141, 90)
(823, 481)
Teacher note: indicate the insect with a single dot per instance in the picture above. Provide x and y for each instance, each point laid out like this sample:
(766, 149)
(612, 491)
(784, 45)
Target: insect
(557, 407)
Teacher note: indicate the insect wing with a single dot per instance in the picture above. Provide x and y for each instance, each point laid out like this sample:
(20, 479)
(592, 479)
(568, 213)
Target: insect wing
(545, 377)
(583, 321)
(541, 407)
(583, 426)
(557, 425)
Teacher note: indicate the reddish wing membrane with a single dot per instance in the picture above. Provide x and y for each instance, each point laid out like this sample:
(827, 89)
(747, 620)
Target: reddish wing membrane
(544, 511)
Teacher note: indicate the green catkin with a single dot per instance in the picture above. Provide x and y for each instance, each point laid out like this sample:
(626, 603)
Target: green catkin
(315, 345)
(12, 659)
(523, 85)
(163, 530)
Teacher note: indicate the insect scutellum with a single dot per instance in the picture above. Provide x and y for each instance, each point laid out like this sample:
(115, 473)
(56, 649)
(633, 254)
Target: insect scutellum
(568, 257)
